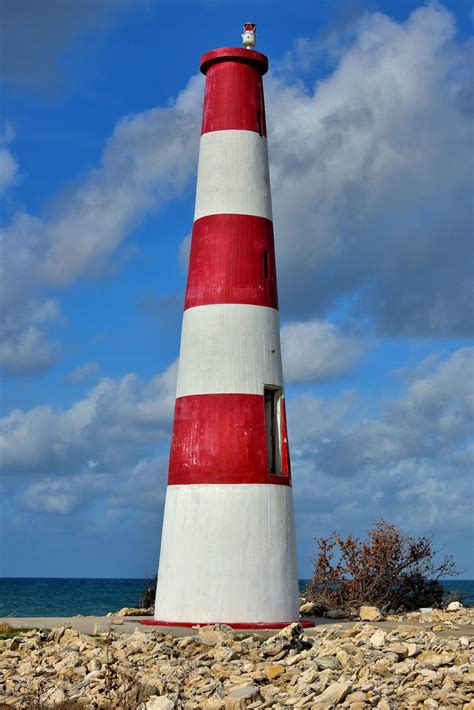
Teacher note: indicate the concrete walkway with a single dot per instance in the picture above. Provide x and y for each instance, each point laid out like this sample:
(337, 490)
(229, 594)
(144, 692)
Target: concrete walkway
(127, 625)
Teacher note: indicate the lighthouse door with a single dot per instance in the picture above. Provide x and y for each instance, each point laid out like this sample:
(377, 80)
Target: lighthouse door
(272, 397)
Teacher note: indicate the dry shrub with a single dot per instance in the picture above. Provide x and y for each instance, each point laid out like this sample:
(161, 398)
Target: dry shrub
(389, 570)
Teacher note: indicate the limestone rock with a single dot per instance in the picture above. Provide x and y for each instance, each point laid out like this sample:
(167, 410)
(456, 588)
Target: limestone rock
(274, 670)
(370, 613)
(335, 693)
(434, 660)
(454, 606)
(291, 637)
(122, 612)
(159, 702)
(54, 696)
(214, 634)
(308, 608)
(241, 697)
(378, 639)
(336, 614)
(328, 663)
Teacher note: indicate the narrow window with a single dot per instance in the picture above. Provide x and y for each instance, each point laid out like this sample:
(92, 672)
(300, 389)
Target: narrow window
(272, 397)
(266, 266)
(259, 122)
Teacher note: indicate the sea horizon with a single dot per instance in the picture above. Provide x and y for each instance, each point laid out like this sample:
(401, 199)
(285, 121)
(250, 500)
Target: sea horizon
(96, 596)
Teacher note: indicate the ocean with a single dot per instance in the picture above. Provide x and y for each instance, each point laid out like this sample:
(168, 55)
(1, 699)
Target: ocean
(96, 597)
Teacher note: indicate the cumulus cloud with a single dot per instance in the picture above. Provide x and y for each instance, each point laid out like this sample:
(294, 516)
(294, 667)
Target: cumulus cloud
(317, 350)
(371, 182)
(26, 347)
(84, 371)
(147, 161)
(98, 466)
(372, 178)
(8, 164)
(110, 423)
(411, 462)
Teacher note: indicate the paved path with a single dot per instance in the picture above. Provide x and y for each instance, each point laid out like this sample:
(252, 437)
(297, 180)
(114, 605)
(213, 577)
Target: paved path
(100, 624)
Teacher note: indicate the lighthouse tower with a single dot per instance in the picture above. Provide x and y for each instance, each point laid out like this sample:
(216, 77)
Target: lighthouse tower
(228, 542)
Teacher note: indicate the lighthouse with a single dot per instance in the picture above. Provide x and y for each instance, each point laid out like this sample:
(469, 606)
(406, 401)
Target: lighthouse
(228, 542)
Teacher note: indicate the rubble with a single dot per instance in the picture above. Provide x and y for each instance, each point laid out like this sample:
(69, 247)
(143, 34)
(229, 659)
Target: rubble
(335, 665)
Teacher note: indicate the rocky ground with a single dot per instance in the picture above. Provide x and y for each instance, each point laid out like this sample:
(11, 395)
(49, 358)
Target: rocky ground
(359, 667)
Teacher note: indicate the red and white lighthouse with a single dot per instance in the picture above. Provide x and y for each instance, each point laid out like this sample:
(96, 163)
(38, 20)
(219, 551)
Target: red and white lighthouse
(228, 542)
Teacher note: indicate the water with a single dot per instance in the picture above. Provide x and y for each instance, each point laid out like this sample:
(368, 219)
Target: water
(96, 597)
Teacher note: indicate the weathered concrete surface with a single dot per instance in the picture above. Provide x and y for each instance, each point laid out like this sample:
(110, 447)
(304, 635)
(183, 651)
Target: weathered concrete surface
(127, 625)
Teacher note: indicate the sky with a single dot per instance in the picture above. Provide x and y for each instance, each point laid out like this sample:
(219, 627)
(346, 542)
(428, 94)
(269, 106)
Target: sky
(369, 108)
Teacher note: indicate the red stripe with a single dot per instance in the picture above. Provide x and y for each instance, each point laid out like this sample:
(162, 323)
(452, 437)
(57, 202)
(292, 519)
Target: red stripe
(233, 98)
(234, 625)
(232, 260)
(221, 438)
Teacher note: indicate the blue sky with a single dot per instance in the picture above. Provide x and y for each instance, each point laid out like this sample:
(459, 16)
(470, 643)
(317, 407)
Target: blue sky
(370, 128)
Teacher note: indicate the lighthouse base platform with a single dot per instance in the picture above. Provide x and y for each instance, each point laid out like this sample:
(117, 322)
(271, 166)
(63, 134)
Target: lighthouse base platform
(233, 625)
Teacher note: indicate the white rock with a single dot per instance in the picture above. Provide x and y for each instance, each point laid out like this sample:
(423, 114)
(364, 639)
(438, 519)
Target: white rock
(214, 634)
(370, 613)
(122, 612)
(241, 697)
(377, 640)
(159, 702)
(454, 606)
(308, 608)
(334, 694)
(53, 696)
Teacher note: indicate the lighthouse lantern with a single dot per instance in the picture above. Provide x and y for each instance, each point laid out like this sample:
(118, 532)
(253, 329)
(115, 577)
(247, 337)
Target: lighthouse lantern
(249, 36)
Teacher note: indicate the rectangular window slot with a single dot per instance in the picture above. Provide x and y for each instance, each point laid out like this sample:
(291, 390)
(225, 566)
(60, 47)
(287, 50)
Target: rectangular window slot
(272, 399)
(266, 264)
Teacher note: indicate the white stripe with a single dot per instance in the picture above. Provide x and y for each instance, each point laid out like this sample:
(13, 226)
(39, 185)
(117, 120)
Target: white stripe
(229, 347)
(228, 554)
(233, 175)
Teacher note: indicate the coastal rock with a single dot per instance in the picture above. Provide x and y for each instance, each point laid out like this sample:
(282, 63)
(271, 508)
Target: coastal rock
(214, 634)
(122, 612)
(159, 702)
(378, 639)
(454, 606)
(328, 663)
(291, 637)
(274, 670)
(309, 608)
(370, 613)
(53, 696)
(434, 660)
(242, 697)
(334, 694)
(332, 666)
(336, 614)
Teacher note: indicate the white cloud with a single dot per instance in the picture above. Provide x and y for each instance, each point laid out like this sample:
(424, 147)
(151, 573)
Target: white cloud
(147, 161)
(49, 496)
(317, 350)
(110, 424)
(8, 169)
(372, 178)
(371, 184)
(8, 164)
(26, 347)
(412, 463)
(84, 371)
